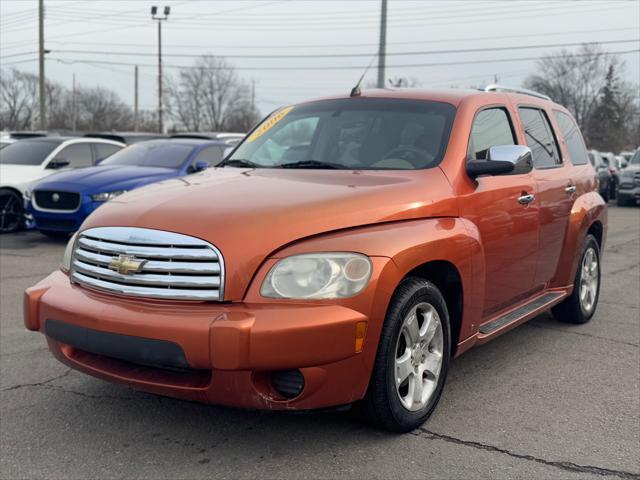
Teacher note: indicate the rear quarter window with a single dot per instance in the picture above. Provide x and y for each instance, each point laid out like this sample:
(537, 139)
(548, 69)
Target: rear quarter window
(573, 138)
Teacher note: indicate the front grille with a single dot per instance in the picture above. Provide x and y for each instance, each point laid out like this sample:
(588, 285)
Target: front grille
(175, 266)
(52, 200)
(636, 178)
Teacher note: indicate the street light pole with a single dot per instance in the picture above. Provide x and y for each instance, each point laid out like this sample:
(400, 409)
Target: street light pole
(41, 52)
(154, 16)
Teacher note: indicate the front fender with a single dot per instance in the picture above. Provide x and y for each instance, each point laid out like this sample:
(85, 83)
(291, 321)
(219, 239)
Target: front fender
(586, 211)
(408, 244)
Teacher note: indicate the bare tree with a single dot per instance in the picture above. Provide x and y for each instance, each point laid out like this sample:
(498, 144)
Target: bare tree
(18, 110)
(210, 96)
(576, 80)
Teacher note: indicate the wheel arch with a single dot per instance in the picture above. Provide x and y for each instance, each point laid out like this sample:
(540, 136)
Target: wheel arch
(588, 216)
(446, 276)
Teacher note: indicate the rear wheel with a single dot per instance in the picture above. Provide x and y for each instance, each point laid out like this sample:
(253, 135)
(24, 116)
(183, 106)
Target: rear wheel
(412, 360)
(580, 306)
(11, 211)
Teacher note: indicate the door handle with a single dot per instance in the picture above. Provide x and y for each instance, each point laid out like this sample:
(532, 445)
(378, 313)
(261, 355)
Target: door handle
(570, 190)
(526, 199)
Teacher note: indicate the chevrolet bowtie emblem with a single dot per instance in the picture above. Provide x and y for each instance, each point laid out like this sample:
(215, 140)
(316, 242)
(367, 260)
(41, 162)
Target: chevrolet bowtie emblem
(126, 264)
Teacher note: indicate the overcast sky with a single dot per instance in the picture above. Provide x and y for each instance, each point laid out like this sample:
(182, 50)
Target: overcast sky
(97, 31)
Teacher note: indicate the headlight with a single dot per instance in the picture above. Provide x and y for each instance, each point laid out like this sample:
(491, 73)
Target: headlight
(106, 196)
(318, 275)
(68, 253)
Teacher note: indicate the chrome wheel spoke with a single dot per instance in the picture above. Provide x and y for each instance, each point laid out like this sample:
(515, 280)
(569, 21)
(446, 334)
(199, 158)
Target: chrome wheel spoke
(589, 279)
(418, 391)
(412, 328)
(404, 368)
(432, 364)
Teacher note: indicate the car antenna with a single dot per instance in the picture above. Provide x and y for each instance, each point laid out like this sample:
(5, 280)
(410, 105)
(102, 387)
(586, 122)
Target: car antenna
(355, 91)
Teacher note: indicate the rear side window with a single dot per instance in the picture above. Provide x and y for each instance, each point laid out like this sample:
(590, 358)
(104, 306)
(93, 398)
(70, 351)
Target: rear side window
(104, 150)
(491, 127)
(211, 155)
(539, 138)
(77, 155)
(571, 134)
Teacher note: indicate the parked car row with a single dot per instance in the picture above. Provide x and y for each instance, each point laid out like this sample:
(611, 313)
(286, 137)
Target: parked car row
(52, 183)
(609, 168)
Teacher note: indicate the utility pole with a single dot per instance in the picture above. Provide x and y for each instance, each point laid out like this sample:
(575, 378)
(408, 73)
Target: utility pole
(383, 44)
(253, 95)
(154, 11)
(73, 103)
(43, 106)
(135, 99)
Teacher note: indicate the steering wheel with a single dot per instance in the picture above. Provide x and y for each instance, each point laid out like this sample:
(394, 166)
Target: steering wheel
(414, 155)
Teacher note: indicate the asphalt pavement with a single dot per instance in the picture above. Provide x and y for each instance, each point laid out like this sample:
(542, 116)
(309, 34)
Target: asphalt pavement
(546, 400)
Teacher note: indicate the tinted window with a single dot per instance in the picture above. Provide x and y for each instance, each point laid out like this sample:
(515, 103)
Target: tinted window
(491, 127)
(635, 160)
(28, 152)
(354, 133)
(77, 155)
(539, 137)
(573, 138)
(104, 150)
(151, 154)
(211, 155)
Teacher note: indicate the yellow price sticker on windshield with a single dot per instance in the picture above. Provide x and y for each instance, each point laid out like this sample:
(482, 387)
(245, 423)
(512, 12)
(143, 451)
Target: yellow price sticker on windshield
(269, 124)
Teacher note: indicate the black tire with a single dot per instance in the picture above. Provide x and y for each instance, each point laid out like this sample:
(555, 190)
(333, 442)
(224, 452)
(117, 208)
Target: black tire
(572, 310)
(11, 211)
(622, 201)
(382, 405)
(55, 235)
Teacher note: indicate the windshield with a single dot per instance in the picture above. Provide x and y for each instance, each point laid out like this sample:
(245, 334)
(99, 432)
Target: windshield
(354, 133)
(635, 160)
(28, 152)
(151, 154)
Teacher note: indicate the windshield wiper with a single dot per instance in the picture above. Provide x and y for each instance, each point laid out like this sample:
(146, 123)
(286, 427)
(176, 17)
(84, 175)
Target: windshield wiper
(313, 164)
(239, 163)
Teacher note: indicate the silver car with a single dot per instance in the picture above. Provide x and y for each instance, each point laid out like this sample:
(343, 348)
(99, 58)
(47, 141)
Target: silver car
(629, 188)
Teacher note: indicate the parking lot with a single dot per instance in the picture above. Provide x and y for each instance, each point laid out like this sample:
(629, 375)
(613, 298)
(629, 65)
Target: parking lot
(546, 400)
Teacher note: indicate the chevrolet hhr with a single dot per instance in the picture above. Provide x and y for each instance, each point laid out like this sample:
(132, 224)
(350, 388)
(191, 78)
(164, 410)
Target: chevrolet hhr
(342, 254)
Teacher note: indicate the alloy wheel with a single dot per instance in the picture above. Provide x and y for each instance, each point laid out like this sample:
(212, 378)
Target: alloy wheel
(589, 279)
(419, 355)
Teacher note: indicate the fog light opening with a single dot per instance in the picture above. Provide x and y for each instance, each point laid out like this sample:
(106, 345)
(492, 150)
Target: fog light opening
(288, 383)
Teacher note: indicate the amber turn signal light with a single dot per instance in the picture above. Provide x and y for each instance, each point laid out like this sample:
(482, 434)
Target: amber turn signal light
(361, 331)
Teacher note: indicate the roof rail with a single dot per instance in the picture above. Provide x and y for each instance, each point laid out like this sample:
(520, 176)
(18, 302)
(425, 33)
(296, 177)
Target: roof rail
(502, 88)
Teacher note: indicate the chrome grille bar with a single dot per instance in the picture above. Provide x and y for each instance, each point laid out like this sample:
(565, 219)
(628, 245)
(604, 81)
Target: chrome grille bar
(169, 265)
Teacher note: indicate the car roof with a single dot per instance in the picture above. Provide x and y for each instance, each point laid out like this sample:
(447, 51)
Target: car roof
(186, 141)
(125, 137)
(453, 96)
(209, 135)
(63, 138)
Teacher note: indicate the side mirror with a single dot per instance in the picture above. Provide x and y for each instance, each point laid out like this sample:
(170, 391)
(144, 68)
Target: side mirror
(200, 165)
(58, 162)
(502, 160)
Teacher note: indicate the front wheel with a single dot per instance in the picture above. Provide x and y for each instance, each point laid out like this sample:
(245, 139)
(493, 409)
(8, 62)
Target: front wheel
(580, 306)
(412, 360)
(11, 211)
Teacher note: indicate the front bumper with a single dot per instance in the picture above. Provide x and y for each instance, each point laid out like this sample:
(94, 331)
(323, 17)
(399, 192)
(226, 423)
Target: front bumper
(230, 349)
(629, 191)
(61, 221)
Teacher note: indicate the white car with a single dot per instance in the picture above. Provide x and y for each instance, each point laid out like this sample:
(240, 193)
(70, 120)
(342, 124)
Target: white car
(28, 160)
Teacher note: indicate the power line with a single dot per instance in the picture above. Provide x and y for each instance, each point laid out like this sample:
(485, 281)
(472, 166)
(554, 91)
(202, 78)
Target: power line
(354, 67)
(343, 45)
(350, 55)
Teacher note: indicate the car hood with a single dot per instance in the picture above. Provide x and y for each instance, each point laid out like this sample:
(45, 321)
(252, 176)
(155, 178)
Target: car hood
(21, 175)
(249, 214)
(104, 178)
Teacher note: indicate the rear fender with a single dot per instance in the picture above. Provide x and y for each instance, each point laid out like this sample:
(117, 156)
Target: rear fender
(587, 210)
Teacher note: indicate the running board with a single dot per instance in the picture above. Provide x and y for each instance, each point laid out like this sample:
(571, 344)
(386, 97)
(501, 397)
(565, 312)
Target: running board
(542, 302)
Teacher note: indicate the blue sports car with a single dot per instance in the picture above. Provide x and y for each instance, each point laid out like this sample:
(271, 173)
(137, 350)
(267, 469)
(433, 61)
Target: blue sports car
(58, 205)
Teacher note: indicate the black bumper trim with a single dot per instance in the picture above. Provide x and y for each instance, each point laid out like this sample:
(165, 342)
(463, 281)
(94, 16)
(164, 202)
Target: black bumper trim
(139, 350)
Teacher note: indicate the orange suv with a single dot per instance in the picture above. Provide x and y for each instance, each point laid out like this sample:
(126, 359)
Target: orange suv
(343, 253)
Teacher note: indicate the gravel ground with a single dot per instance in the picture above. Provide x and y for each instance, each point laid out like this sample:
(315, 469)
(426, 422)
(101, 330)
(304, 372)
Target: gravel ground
(545, 400)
